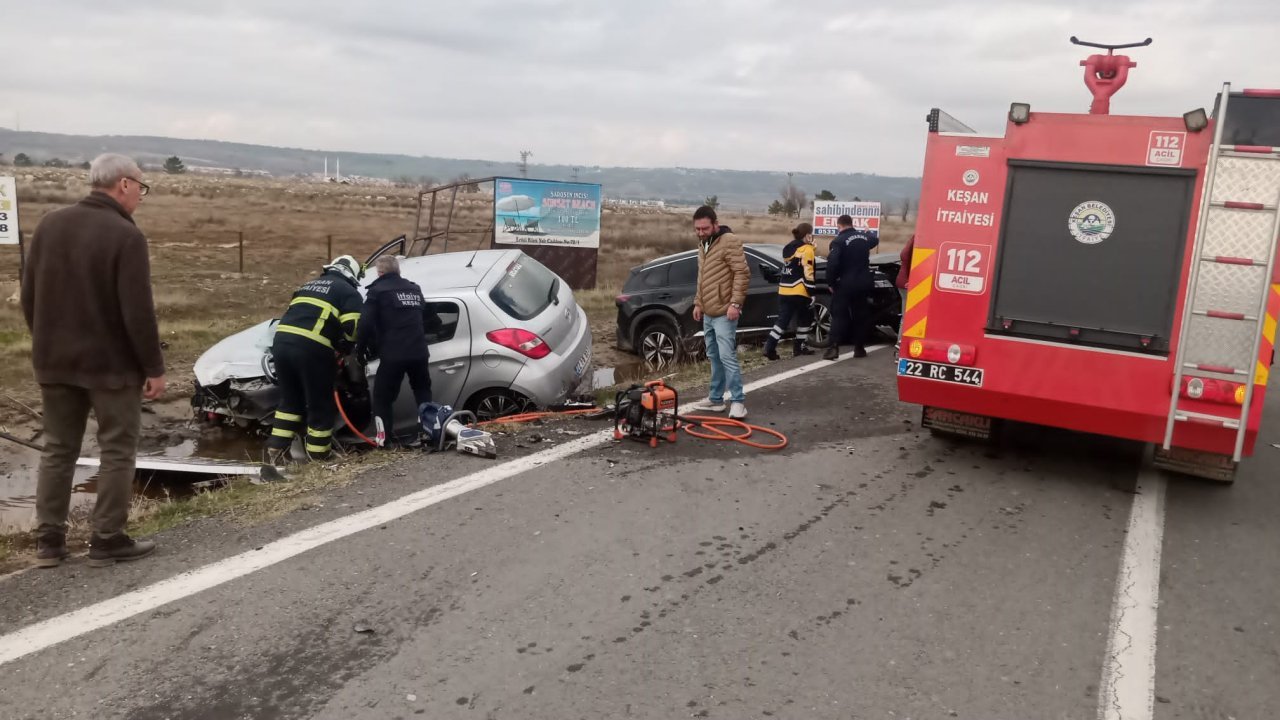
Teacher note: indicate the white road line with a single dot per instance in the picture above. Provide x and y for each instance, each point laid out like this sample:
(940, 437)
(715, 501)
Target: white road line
(1128, 687)
(53, 631)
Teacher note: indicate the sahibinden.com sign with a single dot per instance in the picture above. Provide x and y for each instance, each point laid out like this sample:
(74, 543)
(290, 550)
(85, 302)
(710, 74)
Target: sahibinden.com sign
(8, 211)
(865, 216)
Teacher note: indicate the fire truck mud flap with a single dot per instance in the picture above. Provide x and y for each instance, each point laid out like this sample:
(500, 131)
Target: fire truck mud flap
(1196, 463)
(952, 423)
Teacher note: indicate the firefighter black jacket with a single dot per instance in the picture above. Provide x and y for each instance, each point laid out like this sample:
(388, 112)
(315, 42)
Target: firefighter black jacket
(325, 310)
(395, 320)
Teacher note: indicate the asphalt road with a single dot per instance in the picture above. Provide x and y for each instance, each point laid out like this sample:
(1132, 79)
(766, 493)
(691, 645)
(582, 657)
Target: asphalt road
(868, 571)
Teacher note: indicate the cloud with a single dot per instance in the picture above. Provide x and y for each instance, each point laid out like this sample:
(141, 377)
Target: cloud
(742, 84)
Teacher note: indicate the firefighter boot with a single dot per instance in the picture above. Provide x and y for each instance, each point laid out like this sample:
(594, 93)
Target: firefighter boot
(771, 349)
(275, 456)
(859, 351)
(832, 353)
(800, 347)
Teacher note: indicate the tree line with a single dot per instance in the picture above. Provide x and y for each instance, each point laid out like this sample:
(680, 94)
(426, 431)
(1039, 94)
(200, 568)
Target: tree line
(172, 166)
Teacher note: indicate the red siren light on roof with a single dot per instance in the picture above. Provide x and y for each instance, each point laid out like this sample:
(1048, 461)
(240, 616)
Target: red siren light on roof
(1106, 74)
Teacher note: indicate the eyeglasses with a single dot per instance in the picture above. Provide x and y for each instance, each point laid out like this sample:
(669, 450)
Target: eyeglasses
(143, 188)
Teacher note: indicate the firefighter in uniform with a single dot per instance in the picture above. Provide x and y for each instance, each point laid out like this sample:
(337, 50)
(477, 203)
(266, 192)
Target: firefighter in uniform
(795, 293)
(849, 275)
(393, 327)
(319, 324)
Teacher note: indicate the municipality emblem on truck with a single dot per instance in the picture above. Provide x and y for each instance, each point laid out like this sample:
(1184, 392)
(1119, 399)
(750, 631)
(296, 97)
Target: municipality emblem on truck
(1091, 222)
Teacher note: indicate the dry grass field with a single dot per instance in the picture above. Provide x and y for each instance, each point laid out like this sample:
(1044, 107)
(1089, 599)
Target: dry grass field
(194, 225)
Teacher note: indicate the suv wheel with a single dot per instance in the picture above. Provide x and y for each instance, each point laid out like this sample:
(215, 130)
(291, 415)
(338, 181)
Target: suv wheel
(658, 343)
(821, 322)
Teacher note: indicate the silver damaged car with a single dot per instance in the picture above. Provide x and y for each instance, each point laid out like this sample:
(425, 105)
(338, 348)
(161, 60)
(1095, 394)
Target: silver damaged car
(512, 338)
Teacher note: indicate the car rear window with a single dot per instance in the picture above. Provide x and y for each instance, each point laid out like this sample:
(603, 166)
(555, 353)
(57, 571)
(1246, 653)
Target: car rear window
(656, 277)
(525, 288)
(648, 278)
(684, 272)
(448, 313)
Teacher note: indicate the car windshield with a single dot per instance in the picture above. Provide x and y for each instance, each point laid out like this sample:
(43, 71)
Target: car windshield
(525, 288)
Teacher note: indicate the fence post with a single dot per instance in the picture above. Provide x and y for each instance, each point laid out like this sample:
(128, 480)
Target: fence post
(329, 254)
(241, 252)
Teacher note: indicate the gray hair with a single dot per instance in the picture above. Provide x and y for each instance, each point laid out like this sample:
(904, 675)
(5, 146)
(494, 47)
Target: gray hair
(387, 264)
(107, 169)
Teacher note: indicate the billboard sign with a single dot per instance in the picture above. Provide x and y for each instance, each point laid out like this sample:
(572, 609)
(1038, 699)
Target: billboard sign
(866, 216)
(546, 213)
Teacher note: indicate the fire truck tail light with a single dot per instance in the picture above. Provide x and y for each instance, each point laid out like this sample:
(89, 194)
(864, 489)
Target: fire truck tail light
(943, 352)
(1223, 392)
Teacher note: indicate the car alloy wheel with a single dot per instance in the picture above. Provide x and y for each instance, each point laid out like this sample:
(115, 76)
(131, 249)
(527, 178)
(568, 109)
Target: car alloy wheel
(496, 404)
(821, 322)
(658, 346)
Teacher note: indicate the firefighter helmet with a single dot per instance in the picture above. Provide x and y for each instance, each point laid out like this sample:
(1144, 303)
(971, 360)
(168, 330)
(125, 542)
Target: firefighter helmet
(348, 267)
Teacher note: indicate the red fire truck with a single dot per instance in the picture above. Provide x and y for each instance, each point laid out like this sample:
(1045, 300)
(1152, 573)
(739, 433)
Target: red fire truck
(1102, 273)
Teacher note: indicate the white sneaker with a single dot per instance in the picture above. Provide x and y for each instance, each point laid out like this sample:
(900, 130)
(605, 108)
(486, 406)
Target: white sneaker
(716, 405)
(737, 411)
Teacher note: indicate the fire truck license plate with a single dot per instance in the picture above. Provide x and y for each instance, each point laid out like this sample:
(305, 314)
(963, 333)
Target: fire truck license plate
(940, 372)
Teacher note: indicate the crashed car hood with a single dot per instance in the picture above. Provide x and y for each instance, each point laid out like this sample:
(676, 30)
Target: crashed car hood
(238, 356)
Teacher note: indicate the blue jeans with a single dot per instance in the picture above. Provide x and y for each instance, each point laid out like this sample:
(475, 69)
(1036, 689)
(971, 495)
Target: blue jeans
(721, 336)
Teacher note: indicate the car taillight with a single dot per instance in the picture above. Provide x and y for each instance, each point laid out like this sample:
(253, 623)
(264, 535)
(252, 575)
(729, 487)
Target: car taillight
(942, 351)
(1210, 390)
(522, 341)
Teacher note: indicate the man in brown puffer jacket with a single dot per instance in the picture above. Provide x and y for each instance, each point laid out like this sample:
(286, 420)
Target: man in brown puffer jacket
(723, 278)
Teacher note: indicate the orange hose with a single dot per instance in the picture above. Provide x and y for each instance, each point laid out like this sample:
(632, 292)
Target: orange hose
(347, 420)
(715, 424)
(531, 416)
(712, 423)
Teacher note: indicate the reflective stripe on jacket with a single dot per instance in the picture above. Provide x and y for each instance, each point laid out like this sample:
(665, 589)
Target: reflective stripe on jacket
(325, 310)
(797, 276)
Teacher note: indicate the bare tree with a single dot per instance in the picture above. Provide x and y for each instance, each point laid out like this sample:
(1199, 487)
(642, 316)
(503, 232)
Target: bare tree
(794, 200)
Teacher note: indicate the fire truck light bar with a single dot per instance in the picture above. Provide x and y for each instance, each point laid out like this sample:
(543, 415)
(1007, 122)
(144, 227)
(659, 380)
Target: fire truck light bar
(940, 121)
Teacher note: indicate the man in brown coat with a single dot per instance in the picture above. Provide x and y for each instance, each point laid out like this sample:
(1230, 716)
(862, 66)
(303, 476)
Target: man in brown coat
(723, 277)
(86, 296)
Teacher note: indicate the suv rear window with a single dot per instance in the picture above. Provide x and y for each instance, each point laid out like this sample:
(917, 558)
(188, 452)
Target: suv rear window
(684, 272)
(525, 288)
(655, 277)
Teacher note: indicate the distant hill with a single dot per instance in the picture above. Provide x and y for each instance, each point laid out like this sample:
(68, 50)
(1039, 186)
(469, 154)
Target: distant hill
(736, 188)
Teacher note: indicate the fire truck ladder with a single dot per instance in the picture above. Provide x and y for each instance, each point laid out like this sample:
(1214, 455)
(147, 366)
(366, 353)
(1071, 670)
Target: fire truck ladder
(1231, 271)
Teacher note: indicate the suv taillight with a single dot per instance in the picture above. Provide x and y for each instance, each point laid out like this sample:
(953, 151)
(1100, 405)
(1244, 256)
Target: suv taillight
(522, 341)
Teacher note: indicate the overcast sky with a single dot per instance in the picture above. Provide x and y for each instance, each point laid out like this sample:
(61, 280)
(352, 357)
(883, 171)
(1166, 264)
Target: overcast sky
(803, 85)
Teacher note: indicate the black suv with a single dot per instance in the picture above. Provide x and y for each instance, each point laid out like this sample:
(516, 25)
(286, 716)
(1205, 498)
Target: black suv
(655, 307)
